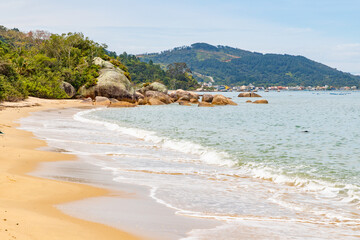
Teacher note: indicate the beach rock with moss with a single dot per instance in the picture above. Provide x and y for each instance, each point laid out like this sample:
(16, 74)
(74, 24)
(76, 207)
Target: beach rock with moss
(155, 86)
(68, 89)
(111, 83)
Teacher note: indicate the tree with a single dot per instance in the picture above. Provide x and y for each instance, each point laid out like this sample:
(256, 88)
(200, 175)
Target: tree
(177, 69)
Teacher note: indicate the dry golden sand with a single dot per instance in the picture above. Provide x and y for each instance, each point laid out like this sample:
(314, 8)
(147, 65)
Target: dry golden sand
(27, 203)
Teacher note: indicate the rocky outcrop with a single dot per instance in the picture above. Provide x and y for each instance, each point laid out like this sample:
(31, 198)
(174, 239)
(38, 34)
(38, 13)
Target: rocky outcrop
(262, 101)
(112, 83)
(205, 104)
(162, 97)
(155, 86)
(184, 95)
(248, 101)
(248, 94)
(68, 89)
(207, 98)
(222, 100)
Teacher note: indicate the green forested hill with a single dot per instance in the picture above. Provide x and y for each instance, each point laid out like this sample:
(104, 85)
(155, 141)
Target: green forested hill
(38, 63)
(234, 66)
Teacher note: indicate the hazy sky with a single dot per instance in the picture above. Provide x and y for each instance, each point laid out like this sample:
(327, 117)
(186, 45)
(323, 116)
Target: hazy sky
(327, 31)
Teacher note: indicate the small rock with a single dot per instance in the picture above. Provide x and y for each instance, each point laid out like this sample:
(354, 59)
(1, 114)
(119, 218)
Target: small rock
(102, 100)
(262, 101)
(121, 104)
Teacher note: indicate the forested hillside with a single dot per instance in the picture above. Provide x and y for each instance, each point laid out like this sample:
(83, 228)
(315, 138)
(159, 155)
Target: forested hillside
(37, 64)
(233, 66)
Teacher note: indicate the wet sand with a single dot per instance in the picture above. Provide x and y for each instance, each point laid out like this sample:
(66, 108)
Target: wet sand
(27, 203)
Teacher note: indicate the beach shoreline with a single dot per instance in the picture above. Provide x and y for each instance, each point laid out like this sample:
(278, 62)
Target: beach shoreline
(27, 203)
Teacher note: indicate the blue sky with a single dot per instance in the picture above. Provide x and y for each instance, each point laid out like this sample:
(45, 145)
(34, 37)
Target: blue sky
(327, 31)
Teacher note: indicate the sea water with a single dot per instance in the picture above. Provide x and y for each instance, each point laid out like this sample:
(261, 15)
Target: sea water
(289, 169)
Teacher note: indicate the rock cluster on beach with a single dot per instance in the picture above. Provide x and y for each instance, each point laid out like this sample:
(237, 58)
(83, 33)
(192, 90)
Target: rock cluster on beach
(114, 89)
(157, 94)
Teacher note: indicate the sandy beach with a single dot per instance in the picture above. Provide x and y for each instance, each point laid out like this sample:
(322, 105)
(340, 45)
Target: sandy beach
(27, 202)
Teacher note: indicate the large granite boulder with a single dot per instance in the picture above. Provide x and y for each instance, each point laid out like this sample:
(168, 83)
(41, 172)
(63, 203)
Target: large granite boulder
(184, 95)
(160, 96)
(155, 86)
(111, 83)
(248, 94)
(222, 100)
(69, 89)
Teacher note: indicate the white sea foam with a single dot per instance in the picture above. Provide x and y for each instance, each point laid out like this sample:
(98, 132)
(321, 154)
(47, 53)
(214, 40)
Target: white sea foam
(210, 156)
(205, 154)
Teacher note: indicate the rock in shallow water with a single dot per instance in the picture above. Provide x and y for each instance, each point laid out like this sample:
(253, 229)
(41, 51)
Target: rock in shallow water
(262, 101)
(222, 100)
(248, 94)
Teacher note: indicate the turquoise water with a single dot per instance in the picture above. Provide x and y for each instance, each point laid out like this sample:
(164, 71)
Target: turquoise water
(299, 155)
(299, 134)
(286, 170)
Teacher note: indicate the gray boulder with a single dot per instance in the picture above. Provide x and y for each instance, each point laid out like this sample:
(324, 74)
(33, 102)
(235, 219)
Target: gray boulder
(111, 83)
(155, 86)
(207, 98)
(69, 89)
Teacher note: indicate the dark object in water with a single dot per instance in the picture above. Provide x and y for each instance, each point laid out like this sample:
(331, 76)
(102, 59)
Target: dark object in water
(306, 131)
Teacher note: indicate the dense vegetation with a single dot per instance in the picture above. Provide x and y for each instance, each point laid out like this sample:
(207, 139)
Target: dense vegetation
(37, 63)
(142, 72)
(233, 66)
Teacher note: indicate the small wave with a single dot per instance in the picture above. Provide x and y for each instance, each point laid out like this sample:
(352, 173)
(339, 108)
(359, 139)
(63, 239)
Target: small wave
(339, 193)
(205, 154)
